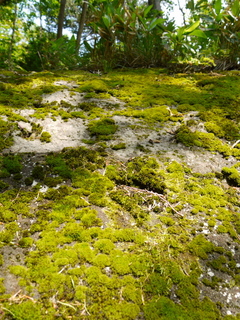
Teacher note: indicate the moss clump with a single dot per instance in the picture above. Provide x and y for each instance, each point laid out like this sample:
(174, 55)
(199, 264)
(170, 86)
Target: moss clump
(119, 146)
(201, 139)
(201, 247)
(158, 284)
(91, 219)
(38, 172)
(232, 176)
(26, 242)
(145, 173)
(104, 245)
(87, 106)
(5, 138)
(155, 114)
(12, 164)
(59, 166)
(52, 181)
(3, 185)
(45, 137)
(101, 128)
(7, 215)
(78, 114)
(97, 86)
(26, 310)
(9, 232)
(217, 123)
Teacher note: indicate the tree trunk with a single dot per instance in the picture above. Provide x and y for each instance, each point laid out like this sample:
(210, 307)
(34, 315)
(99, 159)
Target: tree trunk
(155, 3)
(61, 18)
(81, 24)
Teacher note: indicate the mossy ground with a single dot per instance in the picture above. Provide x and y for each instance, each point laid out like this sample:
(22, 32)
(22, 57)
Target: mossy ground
(86, 236)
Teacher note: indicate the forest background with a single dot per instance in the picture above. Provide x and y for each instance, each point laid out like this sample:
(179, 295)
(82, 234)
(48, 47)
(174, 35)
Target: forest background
(112, 34)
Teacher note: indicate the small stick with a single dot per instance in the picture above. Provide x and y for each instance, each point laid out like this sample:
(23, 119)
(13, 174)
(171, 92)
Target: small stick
(151, 193)
(237, 142)
(66, 304)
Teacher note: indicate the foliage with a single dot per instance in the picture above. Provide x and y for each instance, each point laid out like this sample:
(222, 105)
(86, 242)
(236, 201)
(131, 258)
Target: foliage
(221, 24)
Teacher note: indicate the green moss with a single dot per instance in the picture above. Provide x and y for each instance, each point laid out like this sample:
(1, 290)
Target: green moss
(59, 166)
(7, 215)
(119, 146)
(217, 123)
(101, 260)
(78, 114)
(219, 264)
(75, 201)
(27, 310)
(104, 245)
(80, 293)
(68, 254)
(214, 128)
(90, 219)
(52, 181)
(145, 256)
(158, 284)
(213, 282)
(2, 287)
(12, 164)
(97, 86)
(101, 128)
(26, 242)
(158, 113)
(120, 263)
(3, 185)
(87, 106)
(232, 175)
(5, 138)
(201, 247)
(38, 172)
(145, 173)
(98, 200)
(45, 137)
(167, 220)
(201, 139)
(85, 253)
(9, 232)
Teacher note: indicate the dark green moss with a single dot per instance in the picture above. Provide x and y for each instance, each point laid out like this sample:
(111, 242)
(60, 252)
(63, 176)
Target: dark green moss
(12, 164)
(59, 166)
(38, 172)
(119, 146)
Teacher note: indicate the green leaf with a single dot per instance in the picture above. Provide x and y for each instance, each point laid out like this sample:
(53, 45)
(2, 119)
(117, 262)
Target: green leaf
(180, 31)
(87, 46)
(190, 5)
(154, 23)
(219, 17)
(192, 27)
(107, 21)
(143, 21)
(198, 33)
(218, 6)
(146, 11)
(235, 8)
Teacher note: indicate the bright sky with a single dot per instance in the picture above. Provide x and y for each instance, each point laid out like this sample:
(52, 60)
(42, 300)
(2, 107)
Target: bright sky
(176, 13)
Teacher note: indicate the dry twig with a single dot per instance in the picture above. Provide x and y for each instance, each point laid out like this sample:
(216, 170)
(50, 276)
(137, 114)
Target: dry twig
(145, 191)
